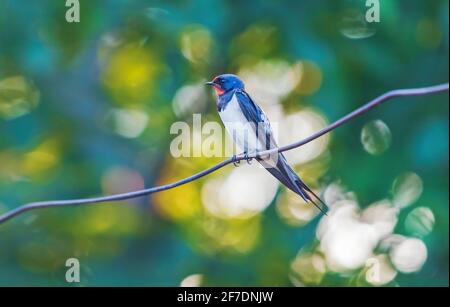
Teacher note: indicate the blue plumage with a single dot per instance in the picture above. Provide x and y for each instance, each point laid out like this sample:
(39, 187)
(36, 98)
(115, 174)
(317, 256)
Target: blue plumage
(236, 106)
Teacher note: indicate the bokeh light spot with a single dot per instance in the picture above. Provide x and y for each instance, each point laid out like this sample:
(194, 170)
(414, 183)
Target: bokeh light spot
(196, 43)
(43, 158)
(298, 126)
(182, 203)
(257, 41)
(376, 137)
(382, 215)
(346, 242)
(379, 270)
(335, 192)
(406, 189)
(420, 222)
(246, 191)
(120, 179)
(308, 268)
(18, 96)
(129, 123)
(129, 74)
(310, 77)
(194, 280)
(354, 25)
(409, 256)
(270, 80)
(189, 99)
(294, 210)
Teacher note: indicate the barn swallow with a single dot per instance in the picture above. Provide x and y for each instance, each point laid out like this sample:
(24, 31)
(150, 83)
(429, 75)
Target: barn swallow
(250, 130)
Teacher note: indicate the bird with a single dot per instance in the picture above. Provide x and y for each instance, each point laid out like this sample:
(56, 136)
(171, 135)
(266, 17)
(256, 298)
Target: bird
(251, 131)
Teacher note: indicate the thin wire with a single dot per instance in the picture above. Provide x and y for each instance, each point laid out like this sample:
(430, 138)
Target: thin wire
(366, 107)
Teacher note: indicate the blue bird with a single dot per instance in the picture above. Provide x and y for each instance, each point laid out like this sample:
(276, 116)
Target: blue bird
(250, 129)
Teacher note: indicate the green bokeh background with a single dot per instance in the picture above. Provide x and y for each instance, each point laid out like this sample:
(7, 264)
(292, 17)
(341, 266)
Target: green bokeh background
(58, 138)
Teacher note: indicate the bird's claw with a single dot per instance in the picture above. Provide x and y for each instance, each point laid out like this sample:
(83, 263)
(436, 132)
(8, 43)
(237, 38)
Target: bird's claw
(236, 162)
(248, 159)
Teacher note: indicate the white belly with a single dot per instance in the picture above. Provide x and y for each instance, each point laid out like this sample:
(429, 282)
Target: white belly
(242, 133)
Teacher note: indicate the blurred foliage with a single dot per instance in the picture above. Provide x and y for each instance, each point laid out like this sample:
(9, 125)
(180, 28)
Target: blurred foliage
(86, 109)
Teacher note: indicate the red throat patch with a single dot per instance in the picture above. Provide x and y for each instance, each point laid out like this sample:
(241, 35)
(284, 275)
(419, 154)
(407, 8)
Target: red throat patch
(218, 90)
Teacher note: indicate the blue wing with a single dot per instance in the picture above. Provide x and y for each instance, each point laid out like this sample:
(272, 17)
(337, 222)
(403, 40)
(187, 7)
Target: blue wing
(251, 110)
(280, 169)
(256, 116)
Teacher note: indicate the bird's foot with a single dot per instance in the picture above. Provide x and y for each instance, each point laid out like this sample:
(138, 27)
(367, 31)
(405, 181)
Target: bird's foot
(236, 162)
(247, 158)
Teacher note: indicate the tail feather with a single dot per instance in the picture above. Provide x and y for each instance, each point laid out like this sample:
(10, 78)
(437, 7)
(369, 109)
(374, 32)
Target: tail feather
(314, 194)
(307, 190)
(286, 175)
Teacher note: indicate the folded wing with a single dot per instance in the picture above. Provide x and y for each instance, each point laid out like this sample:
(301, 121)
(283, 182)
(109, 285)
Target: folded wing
(275, 163)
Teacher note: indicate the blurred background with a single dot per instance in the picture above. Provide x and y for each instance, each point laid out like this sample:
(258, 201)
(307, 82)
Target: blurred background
(86, 109)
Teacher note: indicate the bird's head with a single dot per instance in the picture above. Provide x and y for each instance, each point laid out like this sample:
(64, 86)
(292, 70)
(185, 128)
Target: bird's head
(225, 83)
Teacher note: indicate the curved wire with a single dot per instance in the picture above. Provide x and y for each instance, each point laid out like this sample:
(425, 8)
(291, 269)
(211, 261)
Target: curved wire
(366, 107)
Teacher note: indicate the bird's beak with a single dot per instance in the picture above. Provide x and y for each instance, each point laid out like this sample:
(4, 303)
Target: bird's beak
(217, 88)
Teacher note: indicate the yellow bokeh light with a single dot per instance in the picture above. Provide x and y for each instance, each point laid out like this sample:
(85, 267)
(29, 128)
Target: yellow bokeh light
(41, 159)
(231, 235)
(130, 74)
(310, 77)
(182, 202)
(206, 232)
(18, 96)
(109, 218)
(308, 268)
(10, 169)
(196, 43)
(258, 40)
(294, 210)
